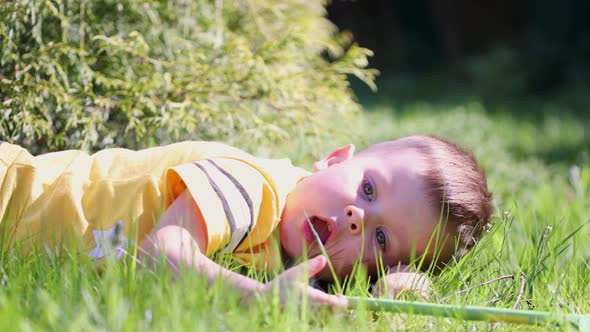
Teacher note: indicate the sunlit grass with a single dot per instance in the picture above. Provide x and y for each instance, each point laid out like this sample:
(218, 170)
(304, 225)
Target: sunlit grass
(539, 245)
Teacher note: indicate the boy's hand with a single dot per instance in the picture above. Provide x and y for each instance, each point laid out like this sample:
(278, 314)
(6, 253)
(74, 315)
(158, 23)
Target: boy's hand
(293, 282)
(404, 281)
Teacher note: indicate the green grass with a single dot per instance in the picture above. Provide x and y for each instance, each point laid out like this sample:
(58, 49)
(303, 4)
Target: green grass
(536, 156)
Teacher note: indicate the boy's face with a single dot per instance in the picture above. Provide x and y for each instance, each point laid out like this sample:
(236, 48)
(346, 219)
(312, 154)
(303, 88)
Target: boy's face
(374, 205)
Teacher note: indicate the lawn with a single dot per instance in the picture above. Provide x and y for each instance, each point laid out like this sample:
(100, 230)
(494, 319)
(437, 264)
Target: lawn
(536, 153)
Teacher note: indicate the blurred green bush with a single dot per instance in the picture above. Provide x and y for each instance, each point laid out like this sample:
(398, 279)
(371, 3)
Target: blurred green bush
(96, 73)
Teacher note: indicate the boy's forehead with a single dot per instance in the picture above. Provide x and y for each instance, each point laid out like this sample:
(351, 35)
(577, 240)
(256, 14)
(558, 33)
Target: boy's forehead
(395, 156)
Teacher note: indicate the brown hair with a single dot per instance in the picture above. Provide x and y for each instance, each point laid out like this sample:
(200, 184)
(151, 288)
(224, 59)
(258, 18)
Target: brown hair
(456, 185)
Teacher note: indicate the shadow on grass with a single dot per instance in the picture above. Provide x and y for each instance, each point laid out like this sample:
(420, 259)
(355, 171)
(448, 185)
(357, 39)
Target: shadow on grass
(570, 153)
(405, 94)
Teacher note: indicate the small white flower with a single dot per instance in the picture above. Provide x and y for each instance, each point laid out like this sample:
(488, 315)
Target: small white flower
(110, 240)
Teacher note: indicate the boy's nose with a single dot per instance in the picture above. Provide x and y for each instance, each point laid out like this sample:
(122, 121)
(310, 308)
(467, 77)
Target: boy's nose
(355, 217)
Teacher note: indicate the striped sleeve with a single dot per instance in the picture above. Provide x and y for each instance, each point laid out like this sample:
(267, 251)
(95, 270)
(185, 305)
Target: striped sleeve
(229, 194)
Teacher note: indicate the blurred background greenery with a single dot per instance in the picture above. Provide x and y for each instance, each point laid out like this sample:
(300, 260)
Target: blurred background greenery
(496, 48)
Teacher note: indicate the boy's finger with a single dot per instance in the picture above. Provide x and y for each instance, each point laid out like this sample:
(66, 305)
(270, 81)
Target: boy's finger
(316, 264)
(319, 297)
(311, 267)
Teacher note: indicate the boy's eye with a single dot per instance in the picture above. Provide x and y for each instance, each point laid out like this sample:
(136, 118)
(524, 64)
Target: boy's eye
(368, 189)
(381, 238)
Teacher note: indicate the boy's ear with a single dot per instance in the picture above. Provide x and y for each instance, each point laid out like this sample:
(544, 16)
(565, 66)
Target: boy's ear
(337, 156)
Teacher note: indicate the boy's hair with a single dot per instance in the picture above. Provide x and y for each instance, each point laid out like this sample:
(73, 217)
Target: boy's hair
(456, 185)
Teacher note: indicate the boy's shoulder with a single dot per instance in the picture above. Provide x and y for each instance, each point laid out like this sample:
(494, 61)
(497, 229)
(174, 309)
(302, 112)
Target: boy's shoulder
(280, 174)
(278, 170)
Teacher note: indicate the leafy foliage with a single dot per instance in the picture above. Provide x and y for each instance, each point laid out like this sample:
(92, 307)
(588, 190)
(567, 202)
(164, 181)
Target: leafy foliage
(91, 74)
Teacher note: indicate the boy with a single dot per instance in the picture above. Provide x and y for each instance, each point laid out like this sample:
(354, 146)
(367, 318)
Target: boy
(414, 196)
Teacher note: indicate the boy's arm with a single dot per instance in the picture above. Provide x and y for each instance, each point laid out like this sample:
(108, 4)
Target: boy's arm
(402, 280)
(181, 238)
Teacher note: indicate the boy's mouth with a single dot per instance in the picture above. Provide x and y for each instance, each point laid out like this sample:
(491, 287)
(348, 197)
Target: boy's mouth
(323, 227)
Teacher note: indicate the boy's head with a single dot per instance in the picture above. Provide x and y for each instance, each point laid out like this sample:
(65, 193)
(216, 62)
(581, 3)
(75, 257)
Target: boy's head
(396, 200)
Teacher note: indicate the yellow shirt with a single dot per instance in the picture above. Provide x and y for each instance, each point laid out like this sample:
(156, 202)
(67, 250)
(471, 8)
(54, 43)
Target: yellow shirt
(56, 198)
